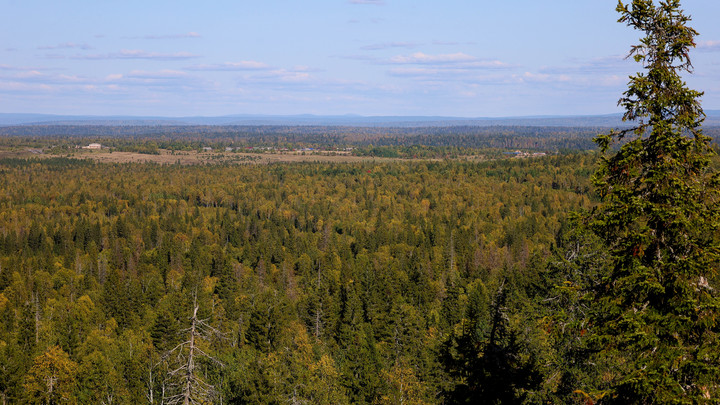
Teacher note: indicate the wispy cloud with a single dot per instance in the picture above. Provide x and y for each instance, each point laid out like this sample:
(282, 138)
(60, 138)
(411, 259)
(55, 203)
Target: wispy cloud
(444, 74)
(160, 74)
(460, 68)
(25, 89)
(389, 45)
(13, 68)
(231, 66)
(571, 79)
(445, 43)
(422, 58)
(66, 45)
(282, 75)
(609, 65)
(452, 61)
(414, 72)
(370, 2)
(161, 78)
(167, 79)
(38, 76)
(137, 54)
(543, 78)
(146, 82)
(708, 46)
(10, 68)
(452, 43)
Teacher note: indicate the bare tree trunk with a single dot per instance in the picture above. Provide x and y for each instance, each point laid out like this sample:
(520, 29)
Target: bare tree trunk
(191, 359)
(451, 262)
(37, 318)
(318, 312)
(318, 308)
(149, 395)
(184, 385)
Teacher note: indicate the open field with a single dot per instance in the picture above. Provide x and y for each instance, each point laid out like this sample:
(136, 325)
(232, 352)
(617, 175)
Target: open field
(196, 158)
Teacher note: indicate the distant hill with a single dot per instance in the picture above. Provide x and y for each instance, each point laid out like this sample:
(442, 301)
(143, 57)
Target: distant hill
(608, 120)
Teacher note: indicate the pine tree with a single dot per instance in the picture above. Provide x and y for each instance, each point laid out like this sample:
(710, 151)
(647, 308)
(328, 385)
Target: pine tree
(500, 371)
(656, 319)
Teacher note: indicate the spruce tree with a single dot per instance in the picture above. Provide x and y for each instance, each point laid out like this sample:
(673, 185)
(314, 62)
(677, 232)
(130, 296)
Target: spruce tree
(655, 327)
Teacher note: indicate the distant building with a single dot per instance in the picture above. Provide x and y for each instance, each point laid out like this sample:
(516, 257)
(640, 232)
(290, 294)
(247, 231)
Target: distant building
(93, 146)
(207, 149)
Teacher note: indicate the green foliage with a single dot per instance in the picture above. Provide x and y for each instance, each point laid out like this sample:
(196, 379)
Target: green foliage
(51, 379)
(331, 283)
(399, 141)
(496, 364)
(657, 307)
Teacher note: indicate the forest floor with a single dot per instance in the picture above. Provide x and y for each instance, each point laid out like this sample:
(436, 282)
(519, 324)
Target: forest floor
(195, 158)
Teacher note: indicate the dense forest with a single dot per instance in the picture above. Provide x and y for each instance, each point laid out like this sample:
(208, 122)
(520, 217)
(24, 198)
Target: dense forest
(411, 281)
(189, 137)
(584, 277)
(342, 283)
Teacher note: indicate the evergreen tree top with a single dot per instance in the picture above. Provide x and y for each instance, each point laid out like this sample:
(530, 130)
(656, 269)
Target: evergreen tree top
(656, 320)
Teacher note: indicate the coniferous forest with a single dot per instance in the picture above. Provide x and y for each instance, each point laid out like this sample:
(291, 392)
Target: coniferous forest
(572, 277)
(326, 283)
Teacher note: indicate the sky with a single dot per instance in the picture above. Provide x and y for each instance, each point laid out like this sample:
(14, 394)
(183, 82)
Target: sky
(461, 58)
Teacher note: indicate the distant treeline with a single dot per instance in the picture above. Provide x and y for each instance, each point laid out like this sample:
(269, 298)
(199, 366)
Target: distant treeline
(450, 139)
(181, 137)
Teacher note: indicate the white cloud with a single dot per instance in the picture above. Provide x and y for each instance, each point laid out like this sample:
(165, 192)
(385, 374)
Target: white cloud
(161, 78)
(29, 74)
(284, 75)
(414, 71)
(190, 34)
(37, 76)
(439, 75)
(166, 80)
(578, 80)
(606, 65)
(486, 64)
(455, 62)
(422, 58)
(452, 43)
(137, 54)
(161, 74)
(543, 77)
(709, 46)
(231, 66)
(66, 45)
(387, 45)
(26, 88)
(20, 68)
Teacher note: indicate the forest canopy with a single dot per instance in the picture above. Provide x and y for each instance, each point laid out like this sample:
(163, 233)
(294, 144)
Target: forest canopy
(573, 276)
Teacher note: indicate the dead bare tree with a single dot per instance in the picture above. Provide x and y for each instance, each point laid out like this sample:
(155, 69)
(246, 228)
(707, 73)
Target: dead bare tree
(184, 384)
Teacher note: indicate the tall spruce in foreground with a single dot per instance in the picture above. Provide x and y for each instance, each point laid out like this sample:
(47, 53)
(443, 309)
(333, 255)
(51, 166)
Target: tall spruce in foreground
(656, 324)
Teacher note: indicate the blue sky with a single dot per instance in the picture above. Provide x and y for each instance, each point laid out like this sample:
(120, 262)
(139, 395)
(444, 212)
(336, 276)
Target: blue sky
(470, 58)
